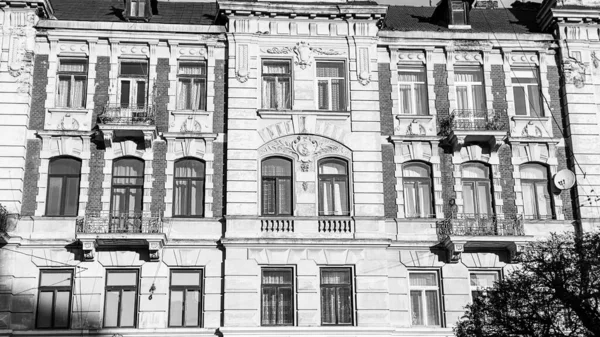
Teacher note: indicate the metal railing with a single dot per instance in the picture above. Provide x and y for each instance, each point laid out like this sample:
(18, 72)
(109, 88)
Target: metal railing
(128, 114)
(475, 120)
(117, 222)
(479, 225)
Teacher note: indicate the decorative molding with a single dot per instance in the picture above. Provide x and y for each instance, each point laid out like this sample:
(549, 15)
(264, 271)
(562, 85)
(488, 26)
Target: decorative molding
(411, 56)
(66, 47)
(304, 55)
(141, 50)
(468, 56)
(471, 45)
(517, 58)
(574, 71)
(68, 123)
(455, 250)
(595, 60)
(531, 130)
(321, 51)
(191, 125)
(107, 136)
(192, 51)
(305, 148)
(242, 72)
(362, 70)
(278, 50)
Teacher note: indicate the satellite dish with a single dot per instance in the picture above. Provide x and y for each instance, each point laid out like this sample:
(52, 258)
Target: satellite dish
(564, 179)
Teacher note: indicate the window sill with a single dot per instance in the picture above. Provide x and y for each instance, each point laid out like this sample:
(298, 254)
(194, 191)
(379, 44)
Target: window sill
(82, 111)
(190, 112)
(322, 114)
(412, 117)
(530, 118)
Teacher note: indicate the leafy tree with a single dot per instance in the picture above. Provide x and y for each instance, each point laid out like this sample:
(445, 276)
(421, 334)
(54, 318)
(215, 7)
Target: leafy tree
(555, 291)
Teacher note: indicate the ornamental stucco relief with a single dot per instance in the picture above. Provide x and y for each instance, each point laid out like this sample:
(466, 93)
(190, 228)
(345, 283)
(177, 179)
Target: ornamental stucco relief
(574, 71)
(305, 148)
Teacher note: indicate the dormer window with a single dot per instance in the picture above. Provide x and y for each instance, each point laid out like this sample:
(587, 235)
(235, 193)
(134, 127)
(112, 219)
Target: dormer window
(459, 14)
(138, 9)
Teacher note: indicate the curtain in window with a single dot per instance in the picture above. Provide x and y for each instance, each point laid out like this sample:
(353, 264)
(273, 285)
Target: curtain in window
(404, 99)
(520, 100)
(468, 198)
(431, 300)
(269, 306)
(191, 69)
(410, 200)
(416, 306)
(334, 196)
(330, 69)
(189, 187)
(478, 97)
(73, 66)
(337, 96)
(328, 303)
(423, 279)
(335, 276)
(64, 83)
(323, 94)
(128, 171)
(474, 171)
(472, 74)
(462, 98)
(424, 199)
(528, 200)
(421, 104)
(277, 186)
(543, 199)
(63, 187)
(344, 305)
(276, 93)
(483, 280)
(534, 100)
(78, 92)
(185, 94)
(483, 196)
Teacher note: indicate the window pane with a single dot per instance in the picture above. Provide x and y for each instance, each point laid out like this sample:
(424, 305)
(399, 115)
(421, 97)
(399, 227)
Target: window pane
(71, 196)
(484, 198)
(332, 167)
(141, 94)
(344, 305)
(462, 98)
(129, 167)
(277, 277)
(328, 303)
(534, 100)
(423, 279)
(268, 196)
(340, 196)
(433, 315)
(543, 199)
(181, 197)
(478, 97)
(468, 74)
(64, 84)
(283, 93)
(416, 307)
(528, 200)
(185, 93)
(128, 308)
(78, 92)
(52, 279)
(424, 199)
(277, 167)
(410, 200)
(533, 171)
(72, 66)
(199, 90)
(176, 314)
(185, 278)
(189, 168)
(197, 198)
(61, 309)
(121, 279)
(44, 310)
(276, 67)
(474, 171)
(284, 192)
(412, 75)
(335, 276)
(64, 166)
(326, 206)
(417, 171)
(284, 302)
(134, 69)
(269, 93)
(192, 307)
(330, 69)
(55, 185)
(111, 310)
(125, 91)
(483, 280)
(337, 94)
(520, 101)
(269, 305)
(468, 198)
(191, 69)
(421, 104)
(322, 88)
(405, 99)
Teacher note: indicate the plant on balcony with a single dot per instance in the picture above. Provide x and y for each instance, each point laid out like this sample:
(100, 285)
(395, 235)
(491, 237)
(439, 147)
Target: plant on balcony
(494, 123)
(3, 219)
(446, 124)
(555, 292)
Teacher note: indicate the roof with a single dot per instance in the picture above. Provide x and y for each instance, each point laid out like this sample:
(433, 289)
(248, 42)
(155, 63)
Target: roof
(499, 20)
(185, 13)
(316, 3)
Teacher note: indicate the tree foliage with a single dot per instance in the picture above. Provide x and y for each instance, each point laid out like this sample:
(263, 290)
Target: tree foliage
(554, 292)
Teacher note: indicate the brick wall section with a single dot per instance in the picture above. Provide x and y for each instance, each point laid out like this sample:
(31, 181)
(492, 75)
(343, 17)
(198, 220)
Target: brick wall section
(567, 196)
(37, 114)
(499, 91)
(218, 180)
(102, 82)
(441, 90)
(159, 167)
(554, 100)
(32, 175)
(162, 94)
(385, 100)
(96, 177)
(389, 181)
(507, 181)
(443, 109)
(219, 115)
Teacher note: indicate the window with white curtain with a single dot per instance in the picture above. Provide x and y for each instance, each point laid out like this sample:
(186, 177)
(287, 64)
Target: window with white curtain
(133, 79)
(120, 301)
(72, 83)
(62, 198)
(127, 194)
(331, 85)
(526, 91)
(188, 181)
(412, 87)
(277, 296)
(185, 298)
(476, 190)
(333, 187)
(191, 86)
(424, 298)
(537, 200)
(470, 92)
(336, 296)
(416, 178)
(482, 280)
(54, 299)
(276, 84)
(276, 186)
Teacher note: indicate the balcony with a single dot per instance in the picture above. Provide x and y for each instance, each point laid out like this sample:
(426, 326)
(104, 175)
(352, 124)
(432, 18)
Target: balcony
(481, 231)
(473, 126)
(125, 114)
(115, 229)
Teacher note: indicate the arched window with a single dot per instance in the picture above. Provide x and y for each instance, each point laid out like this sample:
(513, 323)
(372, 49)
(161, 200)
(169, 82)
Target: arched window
(63, 187)
(276, 186)
(537, 201)
(127, 193)
(416, 178)
(333, 187)
(188, 199)
(476, 189)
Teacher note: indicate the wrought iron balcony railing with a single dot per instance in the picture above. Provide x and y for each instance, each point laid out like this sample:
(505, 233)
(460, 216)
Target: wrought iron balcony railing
(479, 225)
(117, 222)
(472, 120)
(128, 114)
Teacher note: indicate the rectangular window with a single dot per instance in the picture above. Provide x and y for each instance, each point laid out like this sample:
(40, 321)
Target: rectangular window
(133, 80)
(120, 303)
(336, 296)
(72, 83)
(470, 92)
(526, 89)
(482, 280)
(54, 301)
(424, 298)
(412, 86)
(331, 85)
(277, 83)
(137, 8)
(459, 13)
(277, 296)
(191, 78)
(186, 298)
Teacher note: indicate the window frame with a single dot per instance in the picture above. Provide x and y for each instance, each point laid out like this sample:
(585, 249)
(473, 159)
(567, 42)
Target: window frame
(264, 177)
(189, 182)
(291, 286)
(344, 92)
(349, 286)
(417, 182)
(516, 83)
(470, 85)
(332, 179)
(413, 92)
(184, 289)
(121, 289)
(496, 272)
(63, 187)
(289, 76)
(72, 75)
(423, 290)
(132, 102)
(54, 290)
(202, 77)
(137, 15)
(464, 9)
(476, 182)
(535, 183)
(127, 187)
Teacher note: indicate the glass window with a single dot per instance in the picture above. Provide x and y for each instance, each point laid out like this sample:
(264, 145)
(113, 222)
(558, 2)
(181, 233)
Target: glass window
(459, 13)
(54, 301)
(476, 190)
(333, 187)
(137, 8)
(424, 299)
(537, 200)
(133, 83)
(72, 83)
(482, 280)
(276, 186)
(276, 77)
(191, 78)
(188, 188)
(470, 98)
(127, 194)
(186, 298)
(120, 303)
(336, 296)
(416, 178)
(412, 85)
(526, 90)
(63, 187)
(331, 85)
(277, 296)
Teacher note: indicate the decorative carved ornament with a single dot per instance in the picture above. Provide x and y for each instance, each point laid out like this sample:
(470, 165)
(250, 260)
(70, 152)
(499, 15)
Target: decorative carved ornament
(135, 50)
(595, 60)
(574, 71)
(305, 148)
(411, 56)
(304, 55)
(192, 51)
(471, 44)
(363, 71)
(242, 63)
(531, 130)
(191, 125)
(288, 50)
(468, 56)
(68, 123)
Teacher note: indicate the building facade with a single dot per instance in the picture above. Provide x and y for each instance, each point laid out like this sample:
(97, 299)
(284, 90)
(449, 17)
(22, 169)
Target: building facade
(248, 168)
